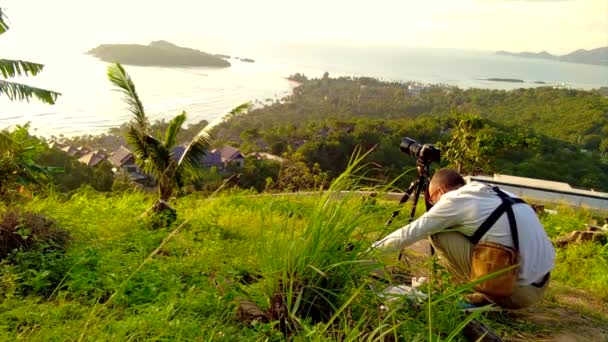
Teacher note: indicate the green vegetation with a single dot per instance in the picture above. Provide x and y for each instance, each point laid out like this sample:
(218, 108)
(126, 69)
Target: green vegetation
(296, 257)
(157, 53)
(28, 164)
(555, 134)
(18, 159)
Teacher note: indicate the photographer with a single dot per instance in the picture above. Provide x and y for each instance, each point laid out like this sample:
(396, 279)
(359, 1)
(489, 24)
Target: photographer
(478, 230)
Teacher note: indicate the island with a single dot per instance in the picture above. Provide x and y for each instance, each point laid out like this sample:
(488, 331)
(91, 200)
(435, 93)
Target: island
(597, 56)
(157, 53)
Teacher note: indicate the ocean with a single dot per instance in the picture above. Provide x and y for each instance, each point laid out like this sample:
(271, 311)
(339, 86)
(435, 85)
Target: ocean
(88, 104)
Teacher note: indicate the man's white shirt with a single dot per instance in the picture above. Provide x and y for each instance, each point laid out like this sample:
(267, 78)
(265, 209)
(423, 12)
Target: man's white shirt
(464, 210)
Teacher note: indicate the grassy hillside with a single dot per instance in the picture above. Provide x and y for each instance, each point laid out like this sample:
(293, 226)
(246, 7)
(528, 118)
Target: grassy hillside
(109, 284)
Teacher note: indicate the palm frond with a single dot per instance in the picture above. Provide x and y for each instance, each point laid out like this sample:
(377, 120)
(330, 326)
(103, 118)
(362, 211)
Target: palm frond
(173, 129)
(6, 142)
(21, 92)
(199, 146)
(150, 154)
(240, 109)
(3, 24)
(12, 68)
(194, 153)
(119, 77)
(144, 145)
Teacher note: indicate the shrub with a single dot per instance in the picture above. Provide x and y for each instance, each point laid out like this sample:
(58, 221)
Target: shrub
(26, 230)
(310, 274)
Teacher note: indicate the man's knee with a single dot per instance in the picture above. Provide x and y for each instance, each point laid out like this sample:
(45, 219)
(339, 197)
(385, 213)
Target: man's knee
(454, 251)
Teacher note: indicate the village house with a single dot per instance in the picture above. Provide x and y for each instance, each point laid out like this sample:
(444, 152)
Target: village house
(230, 156)
(123, 160)
(84, 154)
(209, 160)
(71, 151)
(92, 158)
(219, 157)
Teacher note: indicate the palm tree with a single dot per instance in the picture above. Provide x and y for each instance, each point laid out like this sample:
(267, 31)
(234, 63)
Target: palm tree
(154, 154)
(13, 68)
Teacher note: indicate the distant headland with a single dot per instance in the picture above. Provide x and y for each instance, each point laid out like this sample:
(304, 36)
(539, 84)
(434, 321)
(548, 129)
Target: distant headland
(597, 56)
(157, 53)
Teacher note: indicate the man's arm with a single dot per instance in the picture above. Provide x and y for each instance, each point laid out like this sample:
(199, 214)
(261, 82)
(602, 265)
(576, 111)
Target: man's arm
(445, 214)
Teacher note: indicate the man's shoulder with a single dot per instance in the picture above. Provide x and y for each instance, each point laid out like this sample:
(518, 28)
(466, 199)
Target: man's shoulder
(473, 187)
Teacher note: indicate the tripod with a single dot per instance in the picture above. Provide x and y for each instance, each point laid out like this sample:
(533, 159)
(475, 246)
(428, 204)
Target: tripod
(421, 183)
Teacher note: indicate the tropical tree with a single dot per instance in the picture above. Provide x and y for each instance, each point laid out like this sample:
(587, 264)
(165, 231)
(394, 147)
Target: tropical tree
(155, 154)
(18, 159)
(474, 145)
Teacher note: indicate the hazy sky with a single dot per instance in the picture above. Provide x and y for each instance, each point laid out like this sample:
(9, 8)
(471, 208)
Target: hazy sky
(558, 26)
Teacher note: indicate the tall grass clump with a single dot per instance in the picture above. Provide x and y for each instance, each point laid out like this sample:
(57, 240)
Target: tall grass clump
(312, 272)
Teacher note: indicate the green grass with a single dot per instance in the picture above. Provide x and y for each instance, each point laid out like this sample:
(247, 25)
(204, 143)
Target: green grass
(107, 286)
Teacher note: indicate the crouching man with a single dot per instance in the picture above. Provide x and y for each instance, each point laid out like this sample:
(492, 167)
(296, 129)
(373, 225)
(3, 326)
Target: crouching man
(480, 232)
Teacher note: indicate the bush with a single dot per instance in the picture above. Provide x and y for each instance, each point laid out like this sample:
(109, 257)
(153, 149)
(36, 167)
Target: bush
(26, 230)
(312, 273)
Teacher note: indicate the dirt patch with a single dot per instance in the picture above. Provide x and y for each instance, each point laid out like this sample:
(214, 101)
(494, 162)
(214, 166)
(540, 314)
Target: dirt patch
(569, 315)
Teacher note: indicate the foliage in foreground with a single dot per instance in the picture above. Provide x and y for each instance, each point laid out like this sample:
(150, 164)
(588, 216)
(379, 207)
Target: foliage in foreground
(101, 289)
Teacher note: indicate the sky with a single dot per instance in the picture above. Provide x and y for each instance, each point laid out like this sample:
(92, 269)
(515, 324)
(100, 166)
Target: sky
(558, 26)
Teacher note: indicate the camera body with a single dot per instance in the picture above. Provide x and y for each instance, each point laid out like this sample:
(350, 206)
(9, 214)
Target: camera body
(426, 153)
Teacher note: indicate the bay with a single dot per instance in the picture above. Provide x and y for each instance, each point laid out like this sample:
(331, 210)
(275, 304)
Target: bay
(88, 104)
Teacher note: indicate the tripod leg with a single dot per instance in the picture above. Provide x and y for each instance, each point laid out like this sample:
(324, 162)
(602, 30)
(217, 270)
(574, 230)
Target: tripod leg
(420, 184)
(406, 196)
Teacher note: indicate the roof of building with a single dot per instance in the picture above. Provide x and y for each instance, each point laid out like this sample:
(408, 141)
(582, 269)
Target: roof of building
(70, 150)
(211, 158)
(91, 159)
(228, 153)
(56, 144)
(119, 157)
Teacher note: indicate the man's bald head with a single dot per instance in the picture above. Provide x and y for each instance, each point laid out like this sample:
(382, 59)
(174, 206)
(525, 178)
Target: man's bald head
(447, 180)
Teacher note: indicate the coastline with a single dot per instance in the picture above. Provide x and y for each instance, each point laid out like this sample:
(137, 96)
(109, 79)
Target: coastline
(90, 106)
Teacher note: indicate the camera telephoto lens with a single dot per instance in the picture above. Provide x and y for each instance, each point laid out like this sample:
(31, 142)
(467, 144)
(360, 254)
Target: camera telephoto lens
(427, 153)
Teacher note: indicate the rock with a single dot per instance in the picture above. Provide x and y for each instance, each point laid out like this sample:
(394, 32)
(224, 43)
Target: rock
(578, 236)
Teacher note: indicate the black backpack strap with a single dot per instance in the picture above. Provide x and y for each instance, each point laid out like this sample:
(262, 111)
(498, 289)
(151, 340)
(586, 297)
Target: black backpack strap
(505, 206)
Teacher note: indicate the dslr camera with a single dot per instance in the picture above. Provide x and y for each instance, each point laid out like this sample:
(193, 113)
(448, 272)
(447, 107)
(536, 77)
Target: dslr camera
(425, 153)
